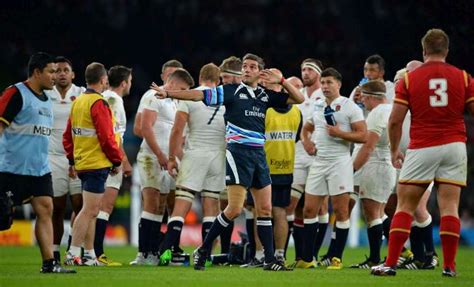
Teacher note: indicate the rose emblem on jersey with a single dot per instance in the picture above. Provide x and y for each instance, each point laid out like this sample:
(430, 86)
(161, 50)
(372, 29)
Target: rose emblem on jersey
(338, 108)
(72, 98)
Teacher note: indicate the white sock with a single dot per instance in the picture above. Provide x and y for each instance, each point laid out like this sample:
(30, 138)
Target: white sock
(56, 247)
(280, 252)
(259, 254)
(90, 253)
(75, 250)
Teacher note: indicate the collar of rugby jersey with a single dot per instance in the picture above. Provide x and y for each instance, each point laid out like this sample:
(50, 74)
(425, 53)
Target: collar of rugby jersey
(251, 91)
(339, 101)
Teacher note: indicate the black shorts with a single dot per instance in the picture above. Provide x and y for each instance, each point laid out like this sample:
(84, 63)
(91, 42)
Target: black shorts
(247, 167)
(94, 180)
(22, 188)
(281, 195)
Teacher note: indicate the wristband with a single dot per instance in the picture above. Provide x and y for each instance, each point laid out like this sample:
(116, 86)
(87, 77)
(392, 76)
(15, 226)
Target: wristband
(172, 157)
(282, 80)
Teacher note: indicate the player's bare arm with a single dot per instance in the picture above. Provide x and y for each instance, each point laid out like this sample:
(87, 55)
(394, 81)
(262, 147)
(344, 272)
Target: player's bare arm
(308, 144)
(188, 95)
(148, 119)
(395, 124)
(176, 141)
(364, 153)
(357, 135)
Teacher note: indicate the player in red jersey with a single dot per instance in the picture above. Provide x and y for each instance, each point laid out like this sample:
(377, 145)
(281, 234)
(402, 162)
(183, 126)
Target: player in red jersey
(436, 94)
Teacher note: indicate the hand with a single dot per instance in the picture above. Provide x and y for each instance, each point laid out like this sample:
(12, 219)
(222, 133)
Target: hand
(310, 147)
(334, 131)
(72, 172)
(269, 77)
(160, 93)
(397, 159)
(163, 161)
(127, 168)
(173, 167)
(115, 170)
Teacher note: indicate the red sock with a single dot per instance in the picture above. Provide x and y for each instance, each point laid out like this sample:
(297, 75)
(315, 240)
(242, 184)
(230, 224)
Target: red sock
(449, 230)
(399, 233)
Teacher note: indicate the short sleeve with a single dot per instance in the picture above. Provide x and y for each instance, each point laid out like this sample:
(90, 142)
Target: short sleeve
(277, 99)
(355, 113)
(376, 123)
(401, 91)
(11, 103)
(183, 107)
(152, 104)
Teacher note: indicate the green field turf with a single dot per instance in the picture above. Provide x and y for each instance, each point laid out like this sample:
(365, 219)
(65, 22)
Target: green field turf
(19, 266)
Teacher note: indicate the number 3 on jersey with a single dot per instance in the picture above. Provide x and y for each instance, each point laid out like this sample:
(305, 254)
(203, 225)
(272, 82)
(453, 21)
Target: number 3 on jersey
(440, 87)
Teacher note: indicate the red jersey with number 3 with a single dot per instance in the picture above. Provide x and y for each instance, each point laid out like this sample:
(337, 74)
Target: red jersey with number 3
(436, 94)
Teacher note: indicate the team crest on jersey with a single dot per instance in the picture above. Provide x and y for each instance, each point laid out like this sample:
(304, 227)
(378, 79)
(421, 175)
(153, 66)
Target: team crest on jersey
(338, 108)
(243, 96)
(72, 98)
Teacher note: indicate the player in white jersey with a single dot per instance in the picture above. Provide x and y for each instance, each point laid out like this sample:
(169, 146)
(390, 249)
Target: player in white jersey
(310, 73)
(166, 70)
(120, 81)
(231, 73)
(62, 96)
(335, 124)
(152, 159)
(378, 175)
(202, 167)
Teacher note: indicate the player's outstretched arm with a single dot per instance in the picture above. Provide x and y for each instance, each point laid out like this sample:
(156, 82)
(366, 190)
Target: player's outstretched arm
(295, 96)
(188, 95)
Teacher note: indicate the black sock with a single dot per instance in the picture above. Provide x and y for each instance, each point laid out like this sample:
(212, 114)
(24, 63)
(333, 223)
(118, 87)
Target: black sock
(57, 256)
(146, 228)
(173, 235)
(49, 263)
(217, 227)
(100, 227)
(332, 243)
(386, 228)
(155, 237)
(310, 232)
(265, 234)
(427, 237)
(249, 223)
(226, 237)
(416, 244)
(322, 227)
(374, 234)
(141, 238)
(340, 241)
(290, 232)
(298, 231)
(206, 226)
(69, 239)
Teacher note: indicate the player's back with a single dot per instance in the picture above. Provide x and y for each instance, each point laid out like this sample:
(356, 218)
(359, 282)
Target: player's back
(436, 94)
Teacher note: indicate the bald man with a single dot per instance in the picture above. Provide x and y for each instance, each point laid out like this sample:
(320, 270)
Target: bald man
(295, 81)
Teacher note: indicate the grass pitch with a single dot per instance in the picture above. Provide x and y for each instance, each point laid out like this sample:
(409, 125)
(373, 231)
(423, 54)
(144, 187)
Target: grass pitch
(19, 266)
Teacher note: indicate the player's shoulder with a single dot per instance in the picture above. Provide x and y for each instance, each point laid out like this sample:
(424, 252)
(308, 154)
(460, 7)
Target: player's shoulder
(10, 91)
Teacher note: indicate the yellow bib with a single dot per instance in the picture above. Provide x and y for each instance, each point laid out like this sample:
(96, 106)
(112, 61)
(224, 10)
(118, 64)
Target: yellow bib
(88, 154)
(281, 132)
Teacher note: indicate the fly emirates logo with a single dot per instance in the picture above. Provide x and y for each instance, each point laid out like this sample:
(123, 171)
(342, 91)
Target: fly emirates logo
(255, 112)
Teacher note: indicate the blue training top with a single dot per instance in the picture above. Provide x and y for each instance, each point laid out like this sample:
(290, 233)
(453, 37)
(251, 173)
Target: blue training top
(24, 144)
(245, 109)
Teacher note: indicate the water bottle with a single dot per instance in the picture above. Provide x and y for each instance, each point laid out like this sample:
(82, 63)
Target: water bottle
(329, 116)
